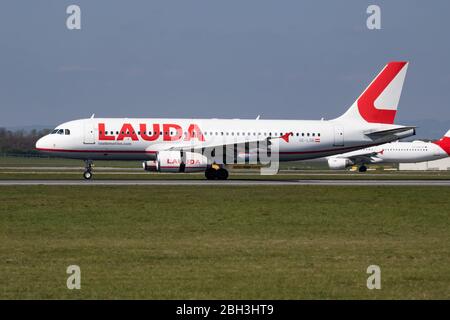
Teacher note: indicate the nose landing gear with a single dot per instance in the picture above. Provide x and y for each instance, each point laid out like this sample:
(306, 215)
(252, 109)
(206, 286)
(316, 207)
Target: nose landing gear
(87, 169)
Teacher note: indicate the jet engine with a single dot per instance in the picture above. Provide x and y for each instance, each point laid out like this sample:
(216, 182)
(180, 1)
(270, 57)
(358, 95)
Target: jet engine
(177, 161)
(339, 163)
(149, 165)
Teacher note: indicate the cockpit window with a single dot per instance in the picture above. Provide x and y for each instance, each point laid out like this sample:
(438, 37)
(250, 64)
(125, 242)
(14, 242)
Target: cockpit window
(61, 131)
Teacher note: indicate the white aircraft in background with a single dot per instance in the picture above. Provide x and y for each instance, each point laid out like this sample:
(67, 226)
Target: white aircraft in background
(395, 152)
(184, 145)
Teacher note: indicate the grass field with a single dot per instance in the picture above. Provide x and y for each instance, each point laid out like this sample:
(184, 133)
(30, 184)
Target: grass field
(225, 242)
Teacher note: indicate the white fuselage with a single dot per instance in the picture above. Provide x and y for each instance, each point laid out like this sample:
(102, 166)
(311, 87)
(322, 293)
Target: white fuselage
(142, 139)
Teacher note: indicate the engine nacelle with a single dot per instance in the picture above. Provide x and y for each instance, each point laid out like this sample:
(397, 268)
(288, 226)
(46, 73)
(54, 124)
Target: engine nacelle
(150, 166)
(339, 163)
(177, 161)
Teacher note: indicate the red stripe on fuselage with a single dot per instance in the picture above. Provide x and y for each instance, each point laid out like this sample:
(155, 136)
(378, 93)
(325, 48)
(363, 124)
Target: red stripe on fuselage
(95, 151)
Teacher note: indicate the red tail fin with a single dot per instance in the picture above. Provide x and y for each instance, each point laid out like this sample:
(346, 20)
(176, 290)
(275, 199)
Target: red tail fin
(379, 102)
(444, 142)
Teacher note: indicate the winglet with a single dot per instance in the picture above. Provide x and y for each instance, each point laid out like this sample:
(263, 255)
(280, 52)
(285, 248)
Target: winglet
(286, 136)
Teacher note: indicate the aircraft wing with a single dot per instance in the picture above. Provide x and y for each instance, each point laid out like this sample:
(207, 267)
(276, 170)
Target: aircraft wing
(240, 141)
(366, 157)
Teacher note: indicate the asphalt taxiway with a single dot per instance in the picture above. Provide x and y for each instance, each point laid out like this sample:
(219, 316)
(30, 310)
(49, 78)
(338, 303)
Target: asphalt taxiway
(244, 182)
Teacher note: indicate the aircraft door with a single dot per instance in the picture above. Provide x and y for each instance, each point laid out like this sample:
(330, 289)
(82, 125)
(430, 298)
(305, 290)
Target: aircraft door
(89, 132)
(338, 136)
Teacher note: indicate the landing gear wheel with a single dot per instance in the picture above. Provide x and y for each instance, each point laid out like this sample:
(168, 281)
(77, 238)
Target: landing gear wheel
(362, 169)
(87, 175)
(210, 174)
(222, 174)
(87, 169)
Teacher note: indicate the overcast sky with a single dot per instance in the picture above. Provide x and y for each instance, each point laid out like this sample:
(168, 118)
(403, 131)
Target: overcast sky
(222, 58)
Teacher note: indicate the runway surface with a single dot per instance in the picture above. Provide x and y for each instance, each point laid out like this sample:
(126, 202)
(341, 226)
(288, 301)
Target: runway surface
(226, 183)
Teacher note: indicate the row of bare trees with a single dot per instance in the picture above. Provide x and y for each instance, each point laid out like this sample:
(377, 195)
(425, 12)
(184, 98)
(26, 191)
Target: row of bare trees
(20, 141)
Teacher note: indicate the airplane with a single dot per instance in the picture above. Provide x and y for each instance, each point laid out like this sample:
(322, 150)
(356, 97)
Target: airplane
(394, 152)
(195, 145)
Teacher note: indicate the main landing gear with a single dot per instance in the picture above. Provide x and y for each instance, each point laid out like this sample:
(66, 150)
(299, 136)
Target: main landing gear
(87, 169)
(363, 168)
(215, 172)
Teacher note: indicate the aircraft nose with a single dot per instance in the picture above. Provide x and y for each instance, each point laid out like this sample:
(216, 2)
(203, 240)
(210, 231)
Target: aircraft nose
(41, 143)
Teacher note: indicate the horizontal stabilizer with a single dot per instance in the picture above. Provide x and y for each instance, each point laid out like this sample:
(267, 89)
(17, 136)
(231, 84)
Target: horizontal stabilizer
(389, 132)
